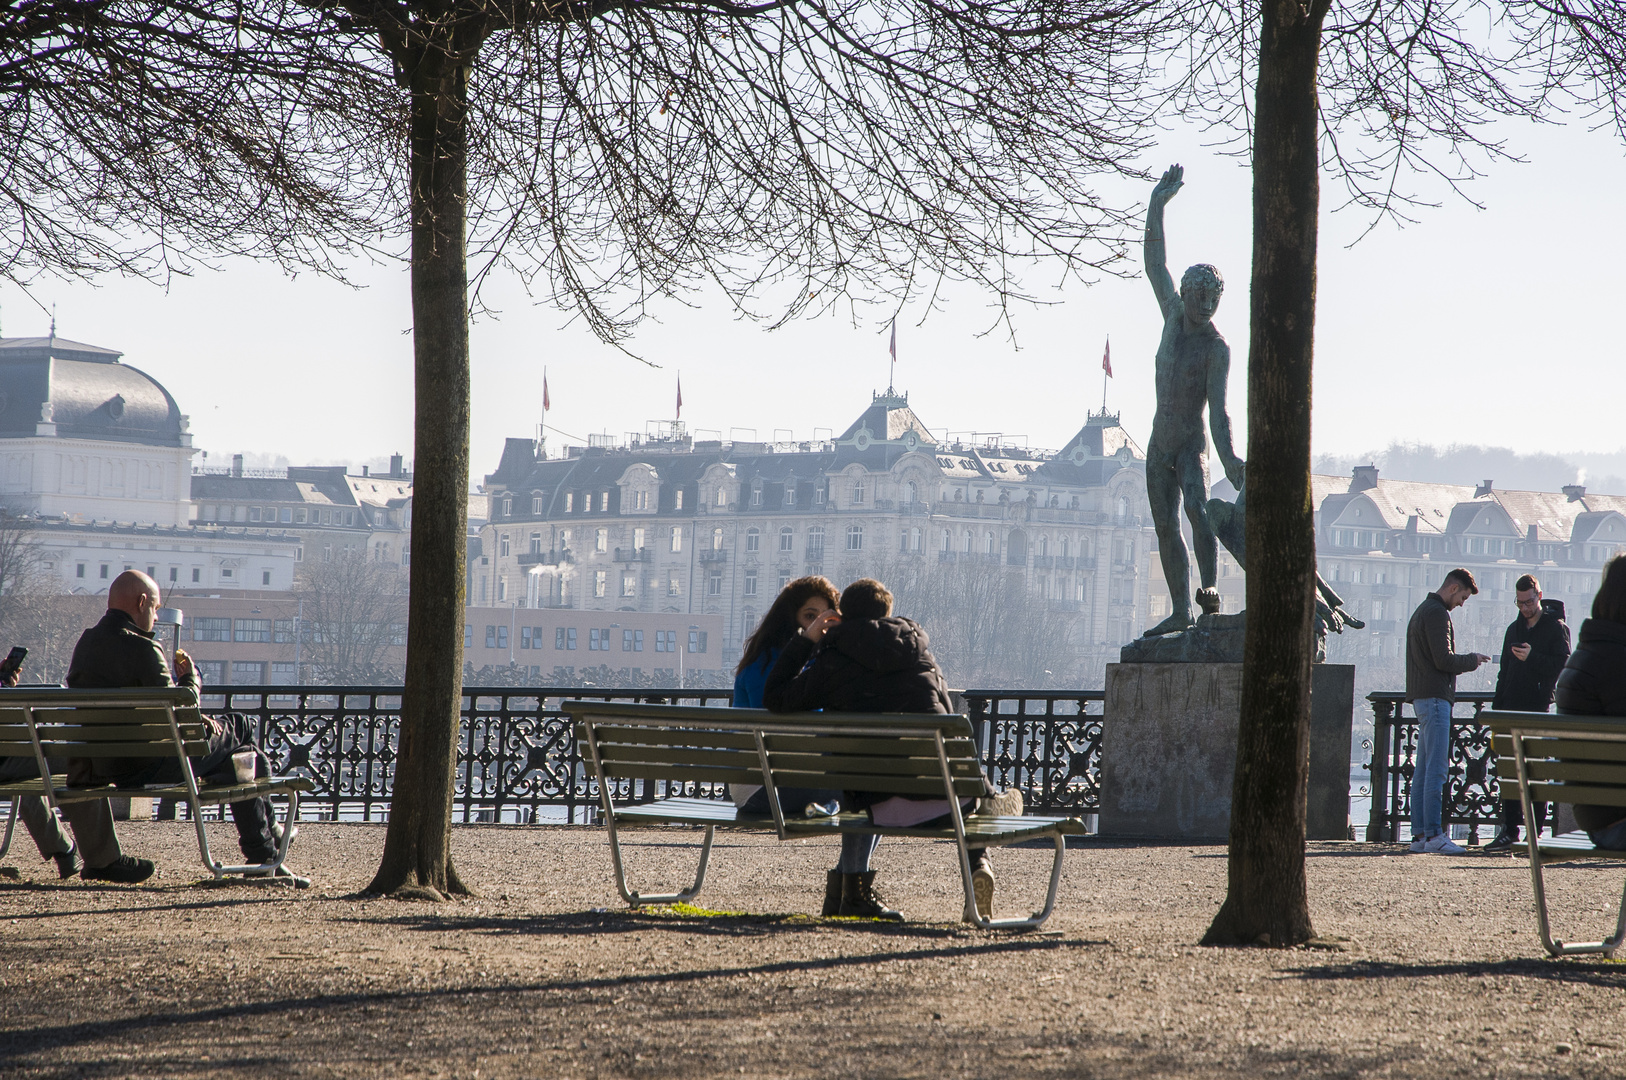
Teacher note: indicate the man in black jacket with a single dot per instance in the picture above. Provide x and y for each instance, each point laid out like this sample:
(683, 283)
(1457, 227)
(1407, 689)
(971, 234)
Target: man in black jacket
(120, 651)
(1534, 650)
(865, 659)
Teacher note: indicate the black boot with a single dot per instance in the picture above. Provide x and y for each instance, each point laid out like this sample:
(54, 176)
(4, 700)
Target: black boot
(858, 898)
(832, 894)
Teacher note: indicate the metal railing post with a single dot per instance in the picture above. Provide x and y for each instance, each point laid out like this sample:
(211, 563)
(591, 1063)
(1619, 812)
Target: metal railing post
(1377, 823)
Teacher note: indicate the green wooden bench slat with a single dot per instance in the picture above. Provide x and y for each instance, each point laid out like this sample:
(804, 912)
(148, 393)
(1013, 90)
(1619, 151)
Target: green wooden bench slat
(16, 749)
(118, 733)
(687, 811)
(637, 771)
(903, 766)
(1571, 771)
(902, 746)
(209, 794)
(890, 785)
(1564, 749)
(672, 736)
(36, 786)
(1569, 793)
(1570, 845)
(166, 748)
(681, 755)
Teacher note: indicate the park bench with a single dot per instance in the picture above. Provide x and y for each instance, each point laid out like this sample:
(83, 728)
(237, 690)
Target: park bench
(899, 754)
(53, 724)
(1561, 759)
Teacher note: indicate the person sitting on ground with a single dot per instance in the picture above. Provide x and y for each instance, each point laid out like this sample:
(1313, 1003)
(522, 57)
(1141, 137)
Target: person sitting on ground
(92, 824)
(865, 659)
(120, 651)
(1593, 683)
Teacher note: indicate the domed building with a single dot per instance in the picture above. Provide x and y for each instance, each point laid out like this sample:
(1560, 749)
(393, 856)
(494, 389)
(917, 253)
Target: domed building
(96, 454)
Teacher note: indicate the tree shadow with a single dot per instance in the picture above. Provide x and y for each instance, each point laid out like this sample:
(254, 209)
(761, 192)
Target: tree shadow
(1603, 973)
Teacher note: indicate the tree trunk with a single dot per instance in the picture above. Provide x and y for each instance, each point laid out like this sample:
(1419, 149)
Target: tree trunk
(417, 847)
(1267, 901)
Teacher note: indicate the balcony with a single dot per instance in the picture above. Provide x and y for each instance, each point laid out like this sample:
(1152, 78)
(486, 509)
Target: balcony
(713, 556)
(634, 555)
(545, 558)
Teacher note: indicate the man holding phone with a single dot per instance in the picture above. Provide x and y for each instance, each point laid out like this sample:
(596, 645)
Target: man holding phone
(92, 822)
(1534, 650)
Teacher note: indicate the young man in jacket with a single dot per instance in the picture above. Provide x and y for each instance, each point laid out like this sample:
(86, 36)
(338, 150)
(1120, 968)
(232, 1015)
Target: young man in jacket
(865, 659)
(1432, 667)
(120, 651)
(1534, 650)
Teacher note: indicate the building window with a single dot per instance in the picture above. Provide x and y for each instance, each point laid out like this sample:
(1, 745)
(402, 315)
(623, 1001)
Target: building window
(502, 545)
(536, 504)
(286, 515)
(753, 539)
(104, 572)
(858, 493)
(197, 574)
(637, 539)
(722, 496)
(598, 640)
(600, 583)
(604, 501)
(79, 571)
(815, 543)
(714, 581)
(247, 672)
(525, 637)
(254, 513)
(570, 501)
(226, 572)
(697, 641)
(536, 543)
(674, 586)
(855, 538)
(666, 641)
(910, 493)
(818, 493)
(790, 492)
(252, 630)
(587, 502)
(491, 637)
(787, 539)
(502, 637)
(632, 641)
(677, 499)
(784, 580)
(265, 577)
(282, 631)
(948, 541)
(989, 544)
(629, 584)
(284, 673)
(468, 636)
(601, 539)
(756, 493)
(502, 588)
(677, 538)
(716, 540)
(750, 583)
(206, 629)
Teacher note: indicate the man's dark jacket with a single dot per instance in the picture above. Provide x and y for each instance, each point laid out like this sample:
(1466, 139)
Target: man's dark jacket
(113, 655)
(1432, 660)
(1593, 683)
(865, 665)
(1527, 685)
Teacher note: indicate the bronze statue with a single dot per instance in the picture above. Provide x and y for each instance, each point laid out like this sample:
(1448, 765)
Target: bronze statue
(1193, 365)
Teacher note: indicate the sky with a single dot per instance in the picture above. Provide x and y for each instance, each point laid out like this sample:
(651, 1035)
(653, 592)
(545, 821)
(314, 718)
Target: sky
(1497, 326)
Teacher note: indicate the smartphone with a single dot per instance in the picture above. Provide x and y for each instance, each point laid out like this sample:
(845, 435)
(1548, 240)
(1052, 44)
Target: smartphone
(13, 662)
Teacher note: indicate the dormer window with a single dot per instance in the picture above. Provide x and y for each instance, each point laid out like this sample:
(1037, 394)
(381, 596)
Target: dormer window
(790, 491)
(722, 496)
(756, 493)
(857, 493)
(507, 505)
(677, 499)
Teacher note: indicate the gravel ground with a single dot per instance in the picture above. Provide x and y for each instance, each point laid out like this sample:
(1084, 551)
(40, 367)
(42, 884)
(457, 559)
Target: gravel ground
(545, 974)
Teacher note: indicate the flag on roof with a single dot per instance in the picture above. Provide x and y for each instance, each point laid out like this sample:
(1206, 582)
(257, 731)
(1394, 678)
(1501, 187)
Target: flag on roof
(546, 404)
(1106, 359)
(680, 398)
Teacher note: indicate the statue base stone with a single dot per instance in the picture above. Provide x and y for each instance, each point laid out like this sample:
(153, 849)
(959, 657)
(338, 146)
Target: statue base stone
(1216, 639)
(1168, 750)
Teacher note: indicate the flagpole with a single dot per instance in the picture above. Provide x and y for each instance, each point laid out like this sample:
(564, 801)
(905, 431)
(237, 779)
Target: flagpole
(1106, 373)
(542, 429)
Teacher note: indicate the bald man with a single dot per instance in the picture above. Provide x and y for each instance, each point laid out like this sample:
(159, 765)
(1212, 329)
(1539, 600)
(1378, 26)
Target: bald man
(119, 652)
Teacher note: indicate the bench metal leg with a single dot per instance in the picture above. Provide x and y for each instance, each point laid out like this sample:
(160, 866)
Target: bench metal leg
(11, 823)
(1033, 921)
(266, 869)
(1561, 948)
(638, 899)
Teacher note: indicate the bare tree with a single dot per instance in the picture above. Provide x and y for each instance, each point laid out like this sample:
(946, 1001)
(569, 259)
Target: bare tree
(34, 611)
(1378, 94)
(138, 136)
(353, 613)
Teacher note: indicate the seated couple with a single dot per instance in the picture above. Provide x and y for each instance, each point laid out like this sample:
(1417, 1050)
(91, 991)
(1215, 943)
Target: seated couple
(815, 650)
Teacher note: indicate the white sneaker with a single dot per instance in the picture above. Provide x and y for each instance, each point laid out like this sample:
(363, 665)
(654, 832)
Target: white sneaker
(1418, 846)
(1443, 845)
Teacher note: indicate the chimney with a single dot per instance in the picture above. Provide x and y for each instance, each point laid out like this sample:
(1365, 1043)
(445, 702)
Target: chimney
(1411, 524)
(1365, 478)
(1574, 492)
(237, 464)
(364, 470)
(395, 464)
(1531, 536)
(1483, 489)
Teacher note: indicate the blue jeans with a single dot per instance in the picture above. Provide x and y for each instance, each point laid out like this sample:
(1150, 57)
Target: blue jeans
(1428, 775)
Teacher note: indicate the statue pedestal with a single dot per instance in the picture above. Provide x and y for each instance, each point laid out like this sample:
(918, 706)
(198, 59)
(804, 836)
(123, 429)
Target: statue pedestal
(1168, 750)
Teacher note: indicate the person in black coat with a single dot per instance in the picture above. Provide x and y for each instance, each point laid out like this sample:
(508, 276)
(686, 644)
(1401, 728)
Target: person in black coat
(1593, 683)
(862, 658)
(1534, 650)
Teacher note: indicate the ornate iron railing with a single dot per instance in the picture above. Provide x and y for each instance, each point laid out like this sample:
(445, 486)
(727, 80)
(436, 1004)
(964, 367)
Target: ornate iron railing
(517, 755)
(1471, 797)
(1046, 742)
